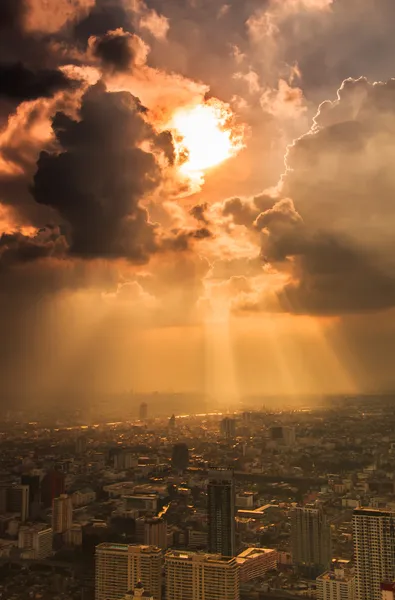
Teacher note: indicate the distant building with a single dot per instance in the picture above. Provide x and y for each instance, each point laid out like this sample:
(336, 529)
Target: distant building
(52, 486)
(337, 584)
(374, 551)
(283, 435)
(120, 567)
(221, 512)
(172, 422)
(144, 503)
(255, 562)
(228, 428)
(143, 411)
(311, 539)
(18, 501)
(35, 541)
(73, 536)
(34, 484)
(138, 593)
(155, 532)
(124, 460)
(62, 513)
(196, 576)
(83, 497)
(81, 444)
(180, 456)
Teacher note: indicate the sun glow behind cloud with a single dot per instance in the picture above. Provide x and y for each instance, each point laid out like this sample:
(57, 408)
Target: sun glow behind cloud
(205, 136)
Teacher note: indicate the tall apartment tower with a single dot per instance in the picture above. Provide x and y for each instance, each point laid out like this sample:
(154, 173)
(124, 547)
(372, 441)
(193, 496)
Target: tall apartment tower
(62, 513)
(120, 567)
(228, 428)
(143, 411)
(18, 500)
(311, 539)
(196, 576)
(221, 512)
(374, 551)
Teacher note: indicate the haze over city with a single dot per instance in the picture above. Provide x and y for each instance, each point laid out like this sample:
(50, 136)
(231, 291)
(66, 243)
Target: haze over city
(196, 196)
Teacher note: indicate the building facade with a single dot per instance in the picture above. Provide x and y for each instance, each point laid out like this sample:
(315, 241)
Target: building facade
(311, 539)
(221, 512)
(62, 513)
(18, 501)
(338, 584)
(195, 576)
(374, 551)
(255, 562)
(35, 541)
(120, 567)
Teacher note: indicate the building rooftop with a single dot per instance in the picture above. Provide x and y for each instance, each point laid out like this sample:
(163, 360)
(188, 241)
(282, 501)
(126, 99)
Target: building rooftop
(126, 547)
(249, 553)
(338, 575)
(200, 556)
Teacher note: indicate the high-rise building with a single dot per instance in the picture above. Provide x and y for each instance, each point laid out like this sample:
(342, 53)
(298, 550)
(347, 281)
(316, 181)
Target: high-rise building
(52, 486)
(221, 512)
(180, 456)
(35, 541)
(336, 584)
(228, 428)
(283, 435)
(155, 532)
(80, 444)
(311, 539)
(374, 551)
(196, 576)
(62, 513)
(120, 567)
(34, 484)
(172, 422)
(143, 411)
(18, 500)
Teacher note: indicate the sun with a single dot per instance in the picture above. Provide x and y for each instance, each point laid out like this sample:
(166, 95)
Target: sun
(205, 135)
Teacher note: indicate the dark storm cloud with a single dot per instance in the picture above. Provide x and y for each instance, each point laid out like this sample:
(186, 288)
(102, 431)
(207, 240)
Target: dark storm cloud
(16, 248)
(336, 239)
(11, 13)
(199, 213)
(245, 211)
(105, 15)
(20, 83)
(97, 180)
(182, 240)
(115, 50)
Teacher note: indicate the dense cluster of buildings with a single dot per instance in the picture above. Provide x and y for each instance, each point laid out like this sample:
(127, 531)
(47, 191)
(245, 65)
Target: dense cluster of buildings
(253, 505)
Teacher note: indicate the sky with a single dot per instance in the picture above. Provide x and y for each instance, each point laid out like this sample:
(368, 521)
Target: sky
(197, 196)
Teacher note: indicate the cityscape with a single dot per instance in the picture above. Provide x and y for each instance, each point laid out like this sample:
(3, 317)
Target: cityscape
(255, 504)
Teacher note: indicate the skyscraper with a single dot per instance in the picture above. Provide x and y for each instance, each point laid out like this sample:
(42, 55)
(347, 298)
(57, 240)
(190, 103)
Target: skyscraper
(143, 411)
(221, 512)
(228, 428)
(62, 513)
(52, 486)
(120, 567)
(18, 500)
(195, 576)
(374, 551)
(180, 456)
(311, 539)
